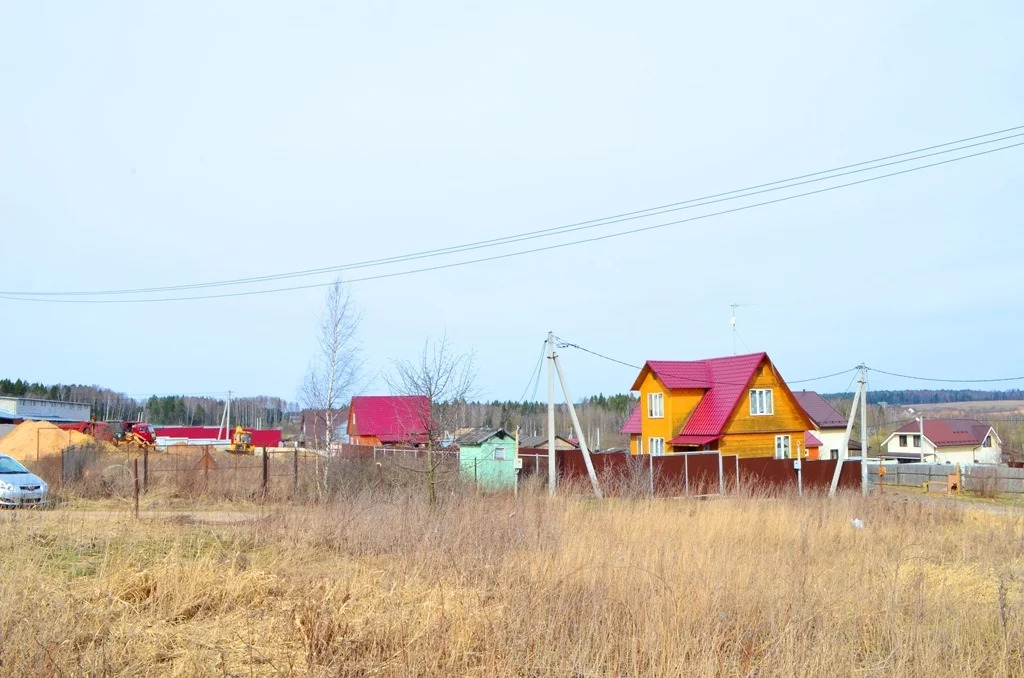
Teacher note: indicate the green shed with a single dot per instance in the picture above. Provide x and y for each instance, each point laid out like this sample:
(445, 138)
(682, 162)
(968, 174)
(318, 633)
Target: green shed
(489, 458)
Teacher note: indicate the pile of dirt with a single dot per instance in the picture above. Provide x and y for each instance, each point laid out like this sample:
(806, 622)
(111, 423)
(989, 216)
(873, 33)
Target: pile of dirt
(33, 440)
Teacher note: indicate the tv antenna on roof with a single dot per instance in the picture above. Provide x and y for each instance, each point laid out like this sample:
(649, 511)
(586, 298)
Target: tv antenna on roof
(735, 334)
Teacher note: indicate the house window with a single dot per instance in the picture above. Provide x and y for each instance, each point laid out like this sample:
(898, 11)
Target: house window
(655, 405)
(656, 446)
(833, 454)
(917, 441)
(499, 454)
(761, 401)
(639, 444)
(903, 441)
(988, 441)
(782, 450)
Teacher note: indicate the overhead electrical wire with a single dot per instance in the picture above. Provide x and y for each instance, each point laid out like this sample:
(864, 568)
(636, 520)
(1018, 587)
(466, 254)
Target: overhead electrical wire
(947, 381)
(42, 296)
(558, 230)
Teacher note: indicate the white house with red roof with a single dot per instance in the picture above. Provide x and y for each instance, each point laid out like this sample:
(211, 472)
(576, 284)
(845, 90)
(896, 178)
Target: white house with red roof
(389, 421)
(737, 405)
(945, 441)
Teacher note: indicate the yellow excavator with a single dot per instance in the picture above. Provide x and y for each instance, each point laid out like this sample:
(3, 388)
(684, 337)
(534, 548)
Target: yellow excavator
(241, 442)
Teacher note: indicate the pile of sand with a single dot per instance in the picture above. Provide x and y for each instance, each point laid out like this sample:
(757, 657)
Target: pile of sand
(34, 440)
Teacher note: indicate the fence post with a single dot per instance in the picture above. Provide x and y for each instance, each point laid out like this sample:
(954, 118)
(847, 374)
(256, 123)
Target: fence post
(62, 472)
(295, 472)
(135, 475)
(651, 465)
(476, 481)
(686, 471)
(265, 470)
(721, 476)
(145, 469)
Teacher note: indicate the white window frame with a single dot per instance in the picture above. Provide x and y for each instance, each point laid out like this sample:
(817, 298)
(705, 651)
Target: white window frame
(640, 444)
(499, 454)
(656, 446)
(783, 451)
(762, 404)
(903, 437)
(987, 442)
(655, 405)
(916, 440)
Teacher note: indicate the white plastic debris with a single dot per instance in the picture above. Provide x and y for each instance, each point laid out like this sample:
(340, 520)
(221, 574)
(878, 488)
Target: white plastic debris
(857, 523)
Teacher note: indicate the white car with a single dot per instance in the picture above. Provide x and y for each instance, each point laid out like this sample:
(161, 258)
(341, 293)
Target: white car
(19, 486)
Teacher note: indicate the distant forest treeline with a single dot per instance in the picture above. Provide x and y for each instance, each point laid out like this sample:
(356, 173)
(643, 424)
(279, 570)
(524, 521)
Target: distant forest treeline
(106, 404)
(928, 396)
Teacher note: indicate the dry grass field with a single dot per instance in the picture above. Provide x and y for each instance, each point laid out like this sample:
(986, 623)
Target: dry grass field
(384, 584)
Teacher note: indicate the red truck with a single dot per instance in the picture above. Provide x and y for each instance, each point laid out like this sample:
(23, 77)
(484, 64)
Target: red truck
(116, 432)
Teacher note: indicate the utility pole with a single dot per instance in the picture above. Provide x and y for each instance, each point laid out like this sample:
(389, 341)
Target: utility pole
(579, 429)
(552, 471)
(863, 430)
(844, 449)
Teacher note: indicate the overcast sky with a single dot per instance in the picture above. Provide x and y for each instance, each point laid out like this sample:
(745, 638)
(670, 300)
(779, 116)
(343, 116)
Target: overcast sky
(147, 144)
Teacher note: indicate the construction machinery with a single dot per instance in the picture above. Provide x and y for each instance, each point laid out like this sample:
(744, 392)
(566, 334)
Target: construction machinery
(133, 433)
(241, 442)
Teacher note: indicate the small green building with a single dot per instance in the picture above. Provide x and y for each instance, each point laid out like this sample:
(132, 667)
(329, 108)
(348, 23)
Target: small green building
(489, 458)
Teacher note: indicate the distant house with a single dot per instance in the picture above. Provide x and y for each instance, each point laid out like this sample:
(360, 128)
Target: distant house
(313, 426)
(829, 426)
(540, 442)
(489, 458)
(389, 421)
(946, 441)
(737, 405)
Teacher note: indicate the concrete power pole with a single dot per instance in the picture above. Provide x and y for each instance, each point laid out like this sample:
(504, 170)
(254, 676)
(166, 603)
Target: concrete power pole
(863, 430)
(579, 429)
(552, 470)
(844, 449)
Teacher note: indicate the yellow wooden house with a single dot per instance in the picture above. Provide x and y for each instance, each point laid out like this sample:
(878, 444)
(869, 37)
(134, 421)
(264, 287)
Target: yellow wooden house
(737, 405)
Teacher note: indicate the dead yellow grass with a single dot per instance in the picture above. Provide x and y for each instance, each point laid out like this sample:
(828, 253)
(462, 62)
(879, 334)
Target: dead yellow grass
(494, 586)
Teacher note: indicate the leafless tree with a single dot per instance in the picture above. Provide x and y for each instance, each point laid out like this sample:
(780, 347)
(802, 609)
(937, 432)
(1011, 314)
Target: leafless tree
(335, 367)
(447, 379)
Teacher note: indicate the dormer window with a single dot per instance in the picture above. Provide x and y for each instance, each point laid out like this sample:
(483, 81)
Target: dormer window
(655, 405)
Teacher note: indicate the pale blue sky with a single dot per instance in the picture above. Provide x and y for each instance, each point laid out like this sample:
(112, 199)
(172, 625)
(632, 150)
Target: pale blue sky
(158, 143)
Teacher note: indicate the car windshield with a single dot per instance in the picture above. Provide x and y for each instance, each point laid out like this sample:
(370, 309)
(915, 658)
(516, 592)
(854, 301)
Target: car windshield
(8, 465)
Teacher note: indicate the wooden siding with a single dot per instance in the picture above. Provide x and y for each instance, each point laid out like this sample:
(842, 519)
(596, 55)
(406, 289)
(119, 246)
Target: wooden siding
(788, 415)
(679, 405)
(744, 434)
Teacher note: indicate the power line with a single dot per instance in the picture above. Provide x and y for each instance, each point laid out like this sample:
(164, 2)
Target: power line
(565, 344)
(507, 255)
(568, 228)
(536, 371)
(827, 376)
(948, 381)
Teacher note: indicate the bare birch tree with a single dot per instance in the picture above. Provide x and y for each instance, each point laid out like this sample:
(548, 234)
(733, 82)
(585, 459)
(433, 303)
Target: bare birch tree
(335, 367)
(447, 379)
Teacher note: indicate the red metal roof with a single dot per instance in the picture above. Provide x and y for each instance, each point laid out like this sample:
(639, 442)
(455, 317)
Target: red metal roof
(820, 410)
(632, 425)
(950, 432)
(728, 379)
(693, 440)
(260, 437)
(391, 419)
(810, 440)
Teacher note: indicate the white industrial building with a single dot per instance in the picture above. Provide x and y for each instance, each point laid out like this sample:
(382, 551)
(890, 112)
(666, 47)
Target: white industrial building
(39, 409)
